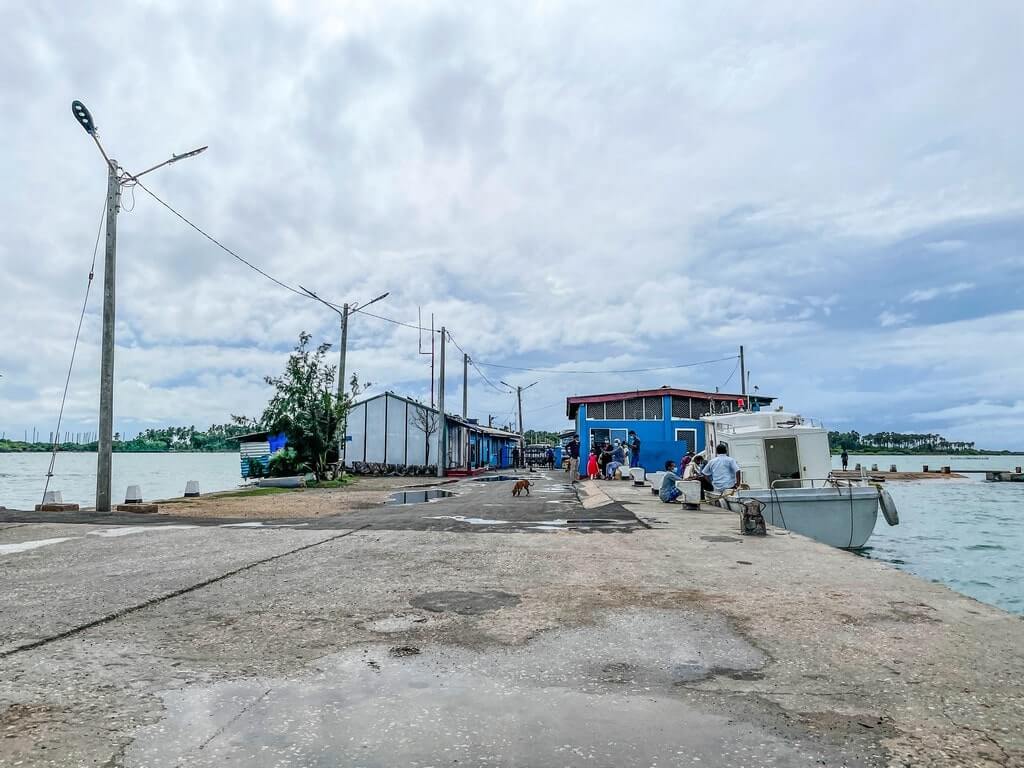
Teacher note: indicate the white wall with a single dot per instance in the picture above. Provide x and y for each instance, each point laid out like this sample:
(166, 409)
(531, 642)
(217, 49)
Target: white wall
(354, 429)
(374, 430)
(396, 430)
(417, 440)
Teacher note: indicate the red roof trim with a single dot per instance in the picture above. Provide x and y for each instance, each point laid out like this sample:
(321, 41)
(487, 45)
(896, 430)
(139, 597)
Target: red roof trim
(657, 392)
(583, 399)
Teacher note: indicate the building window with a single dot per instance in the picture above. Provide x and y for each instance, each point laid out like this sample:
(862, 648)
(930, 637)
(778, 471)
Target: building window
(680, 407)
(653, 410)
(613, 409)
(699, 408)
(595, 411)
(634, 408)
(688, 436)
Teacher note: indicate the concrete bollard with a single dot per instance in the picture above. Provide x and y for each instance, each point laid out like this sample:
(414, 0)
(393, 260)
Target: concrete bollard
(133, 495)
(924, 468)
(892, 467)
(191, 489)
(945, 470)
(857, 468)
(53, 497)
(1017, 470)
(874, 467)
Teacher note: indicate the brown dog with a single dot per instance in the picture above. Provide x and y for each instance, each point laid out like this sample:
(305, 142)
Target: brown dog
(520, 486)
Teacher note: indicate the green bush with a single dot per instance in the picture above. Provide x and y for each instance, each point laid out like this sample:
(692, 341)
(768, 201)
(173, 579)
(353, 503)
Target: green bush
(286, 463)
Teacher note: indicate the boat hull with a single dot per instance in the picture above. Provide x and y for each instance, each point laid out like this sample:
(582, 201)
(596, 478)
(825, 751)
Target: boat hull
(842, 517)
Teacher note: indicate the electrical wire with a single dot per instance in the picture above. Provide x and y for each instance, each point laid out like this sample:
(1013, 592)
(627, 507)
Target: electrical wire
(735, 368)
(413, 326)
(263, 272)
(625, 370)
(218, 243)
(472, 362)
(74, 350)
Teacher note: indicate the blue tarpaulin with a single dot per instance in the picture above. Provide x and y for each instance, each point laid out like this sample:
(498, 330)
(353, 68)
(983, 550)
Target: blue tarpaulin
(277, 442)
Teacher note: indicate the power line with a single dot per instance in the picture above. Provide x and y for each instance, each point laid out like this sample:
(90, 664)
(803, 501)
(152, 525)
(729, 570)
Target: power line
(735, 367)
(625, 370)
(74, 350)
(258, 269)
(413, 326)
(218, 243)
(472, 362)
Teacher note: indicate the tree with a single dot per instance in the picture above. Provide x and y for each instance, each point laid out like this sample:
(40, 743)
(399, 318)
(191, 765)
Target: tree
(305, 406)
(426, 420)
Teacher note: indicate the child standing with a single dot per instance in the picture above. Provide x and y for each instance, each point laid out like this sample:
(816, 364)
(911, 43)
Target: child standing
(592, 469)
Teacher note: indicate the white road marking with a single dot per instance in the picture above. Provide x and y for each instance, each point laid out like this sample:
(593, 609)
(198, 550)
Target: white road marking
(25, 546)
(109, 533)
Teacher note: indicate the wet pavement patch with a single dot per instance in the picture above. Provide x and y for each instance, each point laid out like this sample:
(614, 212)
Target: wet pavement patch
(495, 478)
(722, 539)
(465, 603)
(416, 497)
(606, 694)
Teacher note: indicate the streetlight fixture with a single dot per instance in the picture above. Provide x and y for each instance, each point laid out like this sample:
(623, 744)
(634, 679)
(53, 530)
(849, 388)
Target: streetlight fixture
(116, 178)
(343, 313)
(519, 399)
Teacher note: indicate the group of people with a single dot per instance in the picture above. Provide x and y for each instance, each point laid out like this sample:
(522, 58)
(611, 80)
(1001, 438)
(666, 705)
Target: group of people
(605, 459)
(719, 474)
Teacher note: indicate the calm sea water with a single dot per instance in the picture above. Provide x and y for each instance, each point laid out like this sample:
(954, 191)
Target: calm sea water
(963, 533)
(161, 475)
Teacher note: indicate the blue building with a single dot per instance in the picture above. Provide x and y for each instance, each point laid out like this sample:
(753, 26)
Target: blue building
(667, 421)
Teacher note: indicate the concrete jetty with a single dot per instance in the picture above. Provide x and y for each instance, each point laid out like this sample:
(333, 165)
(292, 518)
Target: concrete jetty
(489, 630)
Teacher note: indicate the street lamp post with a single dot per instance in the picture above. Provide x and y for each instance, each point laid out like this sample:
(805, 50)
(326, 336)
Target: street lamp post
(116, 178)
(519, 400)
(343, 314)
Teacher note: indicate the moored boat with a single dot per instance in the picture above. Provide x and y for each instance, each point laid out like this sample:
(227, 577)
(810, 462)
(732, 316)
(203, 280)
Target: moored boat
(786, 464)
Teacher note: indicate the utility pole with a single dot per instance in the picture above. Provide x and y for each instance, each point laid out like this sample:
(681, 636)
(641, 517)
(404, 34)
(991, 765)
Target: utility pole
(743, 377)
(104, 460)
(490, 421)
(442, 426)
(116, 177)
(343, 314)
(519, 401)
(465, 408)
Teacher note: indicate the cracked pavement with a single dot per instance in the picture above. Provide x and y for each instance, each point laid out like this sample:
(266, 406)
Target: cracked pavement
(426, 639)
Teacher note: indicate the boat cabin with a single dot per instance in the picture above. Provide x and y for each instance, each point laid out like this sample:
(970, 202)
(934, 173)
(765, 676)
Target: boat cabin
(773, 447)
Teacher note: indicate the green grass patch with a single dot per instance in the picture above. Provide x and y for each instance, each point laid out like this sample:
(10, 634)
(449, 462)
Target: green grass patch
(255, 492)
(348, 480)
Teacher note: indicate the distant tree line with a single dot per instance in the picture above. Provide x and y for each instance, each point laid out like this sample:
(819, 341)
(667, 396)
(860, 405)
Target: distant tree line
(217, 438)
(897, 442)
(538, 437)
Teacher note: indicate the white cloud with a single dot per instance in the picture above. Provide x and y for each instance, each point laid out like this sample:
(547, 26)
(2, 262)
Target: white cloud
(891, 319)
(928, 294)
(716, 185)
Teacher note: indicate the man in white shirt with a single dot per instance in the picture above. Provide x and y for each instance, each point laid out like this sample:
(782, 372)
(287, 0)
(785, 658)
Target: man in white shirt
(723, 470)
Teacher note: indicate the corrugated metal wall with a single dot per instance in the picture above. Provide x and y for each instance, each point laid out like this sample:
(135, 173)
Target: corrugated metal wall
(258, 451)
(396, 430)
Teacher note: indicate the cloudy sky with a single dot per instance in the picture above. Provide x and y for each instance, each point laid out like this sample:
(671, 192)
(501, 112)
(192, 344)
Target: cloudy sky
(577, 186)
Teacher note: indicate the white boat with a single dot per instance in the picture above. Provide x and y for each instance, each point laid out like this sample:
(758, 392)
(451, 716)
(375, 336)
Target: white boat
(785, 461)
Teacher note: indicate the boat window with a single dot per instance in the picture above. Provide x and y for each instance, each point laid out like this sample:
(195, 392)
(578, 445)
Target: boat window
(782, 461)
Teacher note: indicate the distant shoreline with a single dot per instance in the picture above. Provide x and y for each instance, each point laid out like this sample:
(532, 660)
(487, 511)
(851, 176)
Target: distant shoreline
(905, 452)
